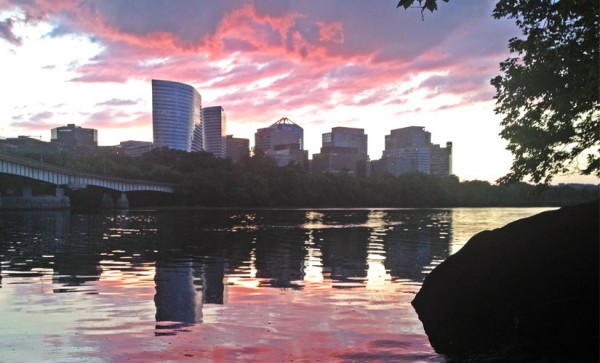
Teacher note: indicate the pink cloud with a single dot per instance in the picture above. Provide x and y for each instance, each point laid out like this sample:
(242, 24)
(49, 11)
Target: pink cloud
(269, 58)
(115, 119)
(117, 102)
(331, 32)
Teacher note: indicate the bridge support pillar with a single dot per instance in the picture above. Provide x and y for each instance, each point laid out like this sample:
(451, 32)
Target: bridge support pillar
(107, 201)
(59, 193)
(123, 202)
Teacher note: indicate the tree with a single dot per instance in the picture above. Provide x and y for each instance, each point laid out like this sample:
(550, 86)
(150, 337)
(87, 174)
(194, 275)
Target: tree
(548, 91)
(430, 5)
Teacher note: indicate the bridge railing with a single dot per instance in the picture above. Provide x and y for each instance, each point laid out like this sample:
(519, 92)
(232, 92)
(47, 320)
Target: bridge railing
(78, 174)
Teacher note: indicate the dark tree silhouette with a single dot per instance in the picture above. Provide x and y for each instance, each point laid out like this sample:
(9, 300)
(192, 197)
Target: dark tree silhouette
(548, 91)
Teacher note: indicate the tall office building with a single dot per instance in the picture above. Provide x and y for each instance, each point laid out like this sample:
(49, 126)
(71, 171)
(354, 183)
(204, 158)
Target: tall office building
(135, 148)
(441, 159)
(176, 116)
(343, 149)
(412, 136)
(74, 136)
(283, 141)
(213, 125)
(409, 150)
(237, 148)
(283, 133)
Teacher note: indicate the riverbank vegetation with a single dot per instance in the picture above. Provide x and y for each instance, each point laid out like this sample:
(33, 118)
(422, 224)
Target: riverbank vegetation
(206, 181)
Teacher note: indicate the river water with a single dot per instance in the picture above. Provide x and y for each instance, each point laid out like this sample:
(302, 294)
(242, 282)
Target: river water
(224, 285)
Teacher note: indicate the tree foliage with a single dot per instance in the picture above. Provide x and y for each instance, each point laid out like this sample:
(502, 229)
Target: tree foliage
(548, 92)
(548, 89)
(430, 5)
(206, 181)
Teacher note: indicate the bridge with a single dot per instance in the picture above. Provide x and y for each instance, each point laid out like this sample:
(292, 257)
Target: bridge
(61, 177)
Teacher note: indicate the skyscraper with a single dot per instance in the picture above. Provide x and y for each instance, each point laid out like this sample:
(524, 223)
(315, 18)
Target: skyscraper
(283, 133)
(343, 149)
(74, 136)
(283, 141)
(348, 137)
(213, 125)
(176, 116)
(409, 150)
(237, 148)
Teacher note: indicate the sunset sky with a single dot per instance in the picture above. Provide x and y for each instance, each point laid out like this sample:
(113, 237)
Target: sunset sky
(322, 64)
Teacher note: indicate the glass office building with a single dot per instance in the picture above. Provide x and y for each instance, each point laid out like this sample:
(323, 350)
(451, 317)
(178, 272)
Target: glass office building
(214, 126)
(176, 116)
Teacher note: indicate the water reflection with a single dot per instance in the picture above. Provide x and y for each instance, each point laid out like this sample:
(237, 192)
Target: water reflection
(197, 253)
(177, 269)
(178, 297)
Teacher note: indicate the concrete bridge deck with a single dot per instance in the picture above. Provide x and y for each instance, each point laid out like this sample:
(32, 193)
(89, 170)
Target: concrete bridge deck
(59, 176)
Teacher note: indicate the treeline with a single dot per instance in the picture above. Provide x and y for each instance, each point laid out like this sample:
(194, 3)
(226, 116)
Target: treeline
(207, 181)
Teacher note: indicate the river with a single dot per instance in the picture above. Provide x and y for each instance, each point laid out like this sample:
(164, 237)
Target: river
(224, 285)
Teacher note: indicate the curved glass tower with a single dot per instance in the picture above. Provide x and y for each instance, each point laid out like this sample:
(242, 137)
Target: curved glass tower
(176, 116)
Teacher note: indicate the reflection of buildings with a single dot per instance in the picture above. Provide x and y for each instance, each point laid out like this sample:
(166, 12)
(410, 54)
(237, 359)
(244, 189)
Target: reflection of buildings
(344, 252)
(422, 238)
(77, 260)
(177, 299)
(182, 289)
(73, 262)
(376, 246)
(280, 256)
(212, 278)
(192, 264)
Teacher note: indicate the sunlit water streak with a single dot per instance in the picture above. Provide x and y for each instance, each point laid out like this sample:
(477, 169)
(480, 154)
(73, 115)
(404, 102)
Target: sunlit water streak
(224, 286)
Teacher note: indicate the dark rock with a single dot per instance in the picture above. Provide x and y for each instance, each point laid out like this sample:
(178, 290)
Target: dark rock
(530, 286)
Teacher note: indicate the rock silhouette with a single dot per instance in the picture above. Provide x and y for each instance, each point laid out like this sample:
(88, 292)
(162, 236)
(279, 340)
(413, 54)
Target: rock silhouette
(528, 288)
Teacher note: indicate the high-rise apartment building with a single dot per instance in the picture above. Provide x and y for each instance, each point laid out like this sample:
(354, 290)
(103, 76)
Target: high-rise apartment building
(343, 149)
(214, 124)
(74, 136)
(409, 150)
(283, 141)
(176, 116)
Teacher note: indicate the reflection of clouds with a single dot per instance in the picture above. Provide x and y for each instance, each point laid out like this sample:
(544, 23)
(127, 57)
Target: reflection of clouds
(377, 275)
(187, 268)
(313, 262)
(466, 222)
(245, 275)
(313, 220)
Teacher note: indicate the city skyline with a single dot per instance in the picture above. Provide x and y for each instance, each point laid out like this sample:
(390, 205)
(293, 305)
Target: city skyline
(317, 63)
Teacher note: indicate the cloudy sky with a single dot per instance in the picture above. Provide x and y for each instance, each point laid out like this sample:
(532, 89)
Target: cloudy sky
(322, 64)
